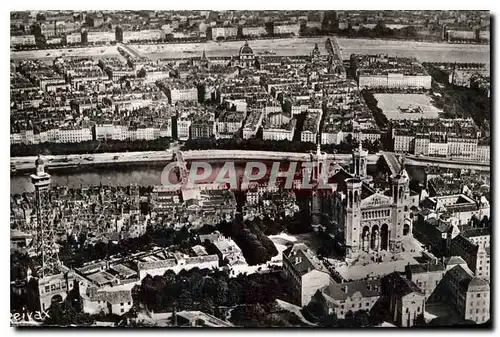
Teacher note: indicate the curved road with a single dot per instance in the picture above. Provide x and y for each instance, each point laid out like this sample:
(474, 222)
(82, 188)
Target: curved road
(27, 163)
(447, 163)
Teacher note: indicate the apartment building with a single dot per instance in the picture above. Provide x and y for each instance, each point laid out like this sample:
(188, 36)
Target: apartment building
(306, 272)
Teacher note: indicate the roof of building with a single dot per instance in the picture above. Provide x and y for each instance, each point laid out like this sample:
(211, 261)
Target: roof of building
(478, 284)
(113, 297)
(307, 261)
(461, 274)
(157, 264)
(474, 232)
(426, 268)
(454, 260)
(340, 178)
(226, 245)
(123, 270)
(199, 250)
(341, 291)
(92, 267)
(202, 259)
(464, 243)
(101, 277)
(401, 286)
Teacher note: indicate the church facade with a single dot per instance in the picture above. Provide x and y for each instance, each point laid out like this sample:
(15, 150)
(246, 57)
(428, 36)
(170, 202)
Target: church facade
(370, 220)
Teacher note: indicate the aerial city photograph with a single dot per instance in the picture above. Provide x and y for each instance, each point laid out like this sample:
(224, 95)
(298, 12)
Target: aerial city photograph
(250, 169)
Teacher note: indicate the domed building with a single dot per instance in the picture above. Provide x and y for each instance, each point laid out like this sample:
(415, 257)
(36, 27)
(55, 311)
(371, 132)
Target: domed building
(246, 56)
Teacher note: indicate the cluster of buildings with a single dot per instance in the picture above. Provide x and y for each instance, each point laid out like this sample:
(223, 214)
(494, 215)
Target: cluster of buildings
(101, 27)
(470, 75)
(79, 99)
(113, 214)
(382, 271)
(462, 74)
(456, 182)
(106, 27)
(207, 204)
(106, 212)
(401, 251)
(450, 26)
(73, 29)
(349, 116)
(383, 71)
(135, 99)
(449, 138)
(274, 202)
(400, 297)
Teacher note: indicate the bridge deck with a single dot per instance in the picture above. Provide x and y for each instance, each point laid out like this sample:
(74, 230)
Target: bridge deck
(392, 161)
(131, 50)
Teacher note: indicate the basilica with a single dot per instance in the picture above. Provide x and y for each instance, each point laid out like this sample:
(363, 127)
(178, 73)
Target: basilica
(370, 219)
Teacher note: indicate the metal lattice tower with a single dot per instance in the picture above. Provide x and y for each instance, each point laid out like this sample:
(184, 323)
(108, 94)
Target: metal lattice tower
(45, 239)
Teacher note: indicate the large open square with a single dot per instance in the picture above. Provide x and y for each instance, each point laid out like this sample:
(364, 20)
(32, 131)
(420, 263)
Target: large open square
(407, 106)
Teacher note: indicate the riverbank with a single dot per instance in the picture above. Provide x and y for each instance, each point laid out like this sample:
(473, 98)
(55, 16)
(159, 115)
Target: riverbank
(447, 163)
(424, 51)
(75, 161)
(22, 165)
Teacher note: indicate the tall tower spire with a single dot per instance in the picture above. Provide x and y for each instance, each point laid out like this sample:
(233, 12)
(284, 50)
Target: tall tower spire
(400, 208)
(352, 226)
(46, 248)
(360, 160)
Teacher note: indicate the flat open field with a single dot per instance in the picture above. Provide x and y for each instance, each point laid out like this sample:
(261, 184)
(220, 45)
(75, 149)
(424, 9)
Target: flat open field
(424, 51)
(391, 103)
(282, 47)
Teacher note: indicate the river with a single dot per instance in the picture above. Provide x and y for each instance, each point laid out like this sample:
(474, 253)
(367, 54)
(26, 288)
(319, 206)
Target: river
(146, 175)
